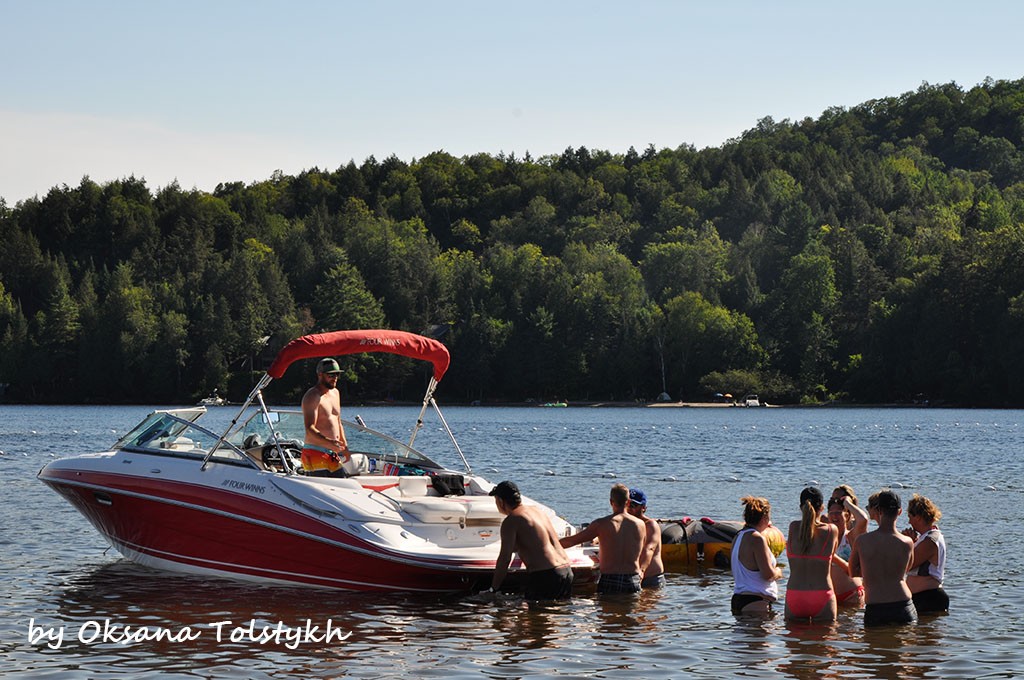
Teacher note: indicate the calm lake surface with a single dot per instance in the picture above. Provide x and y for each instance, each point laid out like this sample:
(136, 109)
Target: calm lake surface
(56, 572)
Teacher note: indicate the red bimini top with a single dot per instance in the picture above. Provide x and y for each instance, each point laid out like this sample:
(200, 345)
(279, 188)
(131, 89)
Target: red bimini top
(357, 342)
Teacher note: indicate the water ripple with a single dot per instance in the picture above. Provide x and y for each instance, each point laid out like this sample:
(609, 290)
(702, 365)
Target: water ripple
(55, 570)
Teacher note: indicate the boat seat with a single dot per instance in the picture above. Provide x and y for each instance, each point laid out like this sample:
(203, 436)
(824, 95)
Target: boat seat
(178, 444)
(475, 488)
(462, 510)
(396, 487)
(481, 510)
(412, 487)
(357, 464)
(434, 510)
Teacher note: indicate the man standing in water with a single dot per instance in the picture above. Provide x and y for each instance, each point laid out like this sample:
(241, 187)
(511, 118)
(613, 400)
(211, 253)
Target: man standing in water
(325, 445)
(620, 542)
(651, 565)
(527, 531)
(883, 557)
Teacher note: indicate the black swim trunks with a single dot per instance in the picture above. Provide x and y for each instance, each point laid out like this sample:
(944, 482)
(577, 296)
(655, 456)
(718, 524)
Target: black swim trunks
(931, 601)
(741, 600)
(619, 583)
(654, 582)
(549, 584)
(889, 612)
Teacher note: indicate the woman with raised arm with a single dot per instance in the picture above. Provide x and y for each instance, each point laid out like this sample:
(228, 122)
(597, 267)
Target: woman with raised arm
(842, 513)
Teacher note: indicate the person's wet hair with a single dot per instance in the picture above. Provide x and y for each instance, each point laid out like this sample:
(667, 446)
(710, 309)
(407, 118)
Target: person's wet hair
(620, 495)
(845, 490)
(810, 510)
(919, 506)
(755, 509)
(886, 502)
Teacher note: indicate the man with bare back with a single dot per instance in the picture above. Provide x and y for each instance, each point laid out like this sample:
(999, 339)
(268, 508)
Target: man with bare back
(651, 564)
(325, 449)
(527, 531)
(621, 540)
(882, 557)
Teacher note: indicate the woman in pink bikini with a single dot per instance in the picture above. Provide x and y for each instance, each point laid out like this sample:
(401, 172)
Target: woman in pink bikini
(849, 590)
(810, 546)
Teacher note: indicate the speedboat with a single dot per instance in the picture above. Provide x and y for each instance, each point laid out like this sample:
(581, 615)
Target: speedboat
(174, 495)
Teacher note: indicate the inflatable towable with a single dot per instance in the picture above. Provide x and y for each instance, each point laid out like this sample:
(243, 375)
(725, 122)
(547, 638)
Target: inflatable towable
(688, 542)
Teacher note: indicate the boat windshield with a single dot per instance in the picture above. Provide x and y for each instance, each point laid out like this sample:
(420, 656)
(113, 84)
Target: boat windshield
(175, 433)
(289, 427)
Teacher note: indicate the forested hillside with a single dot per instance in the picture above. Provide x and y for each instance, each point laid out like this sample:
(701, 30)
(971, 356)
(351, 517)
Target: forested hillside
(875, 254)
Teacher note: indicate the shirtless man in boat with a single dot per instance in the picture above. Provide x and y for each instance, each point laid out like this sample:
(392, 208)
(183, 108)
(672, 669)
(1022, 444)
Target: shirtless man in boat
(325, 449)
(527, 531)
(883, 557)
(651, 565)
(620, 539)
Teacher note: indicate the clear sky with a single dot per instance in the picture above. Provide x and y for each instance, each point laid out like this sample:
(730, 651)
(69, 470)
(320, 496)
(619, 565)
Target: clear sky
(214, 91)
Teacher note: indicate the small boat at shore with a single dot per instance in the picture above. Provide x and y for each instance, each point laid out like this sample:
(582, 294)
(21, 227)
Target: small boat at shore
(213, 400)
(172, 494)
(690, 542)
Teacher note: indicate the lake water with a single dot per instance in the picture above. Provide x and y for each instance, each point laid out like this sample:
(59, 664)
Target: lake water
(57, 574)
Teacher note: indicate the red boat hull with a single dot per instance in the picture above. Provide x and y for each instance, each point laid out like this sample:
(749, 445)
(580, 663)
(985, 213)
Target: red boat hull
(197, 528)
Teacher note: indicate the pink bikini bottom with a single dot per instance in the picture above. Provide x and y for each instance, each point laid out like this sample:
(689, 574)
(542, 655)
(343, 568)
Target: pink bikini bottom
(807, 603)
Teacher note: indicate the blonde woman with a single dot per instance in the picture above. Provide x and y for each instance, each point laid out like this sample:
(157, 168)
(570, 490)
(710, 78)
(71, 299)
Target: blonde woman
(753, 564)
(924, 578)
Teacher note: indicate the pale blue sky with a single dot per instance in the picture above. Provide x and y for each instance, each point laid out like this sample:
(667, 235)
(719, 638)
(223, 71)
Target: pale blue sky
(214, 91)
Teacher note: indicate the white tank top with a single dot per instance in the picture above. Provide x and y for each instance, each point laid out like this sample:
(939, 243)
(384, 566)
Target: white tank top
(935, 568)
(747, 580)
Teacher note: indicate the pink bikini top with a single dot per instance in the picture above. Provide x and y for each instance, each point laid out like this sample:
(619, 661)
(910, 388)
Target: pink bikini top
(819, 556)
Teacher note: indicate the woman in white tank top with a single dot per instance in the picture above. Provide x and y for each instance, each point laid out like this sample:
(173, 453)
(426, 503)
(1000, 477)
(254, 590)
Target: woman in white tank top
(753, 565)
(927, 570)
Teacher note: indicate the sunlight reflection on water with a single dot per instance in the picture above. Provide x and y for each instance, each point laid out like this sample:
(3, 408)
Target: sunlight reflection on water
(55, 570)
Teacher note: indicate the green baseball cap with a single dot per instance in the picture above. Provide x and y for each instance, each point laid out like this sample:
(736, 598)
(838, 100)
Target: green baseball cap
(328, 366)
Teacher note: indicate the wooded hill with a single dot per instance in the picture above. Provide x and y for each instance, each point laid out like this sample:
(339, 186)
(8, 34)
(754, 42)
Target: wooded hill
(874, 254)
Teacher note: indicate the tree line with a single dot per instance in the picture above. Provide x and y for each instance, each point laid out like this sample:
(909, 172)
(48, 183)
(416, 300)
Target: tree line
(873, 254)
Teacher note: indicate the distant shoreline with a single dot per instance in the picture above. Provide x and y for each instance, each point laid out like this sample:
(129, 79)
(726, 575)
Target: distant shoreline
(569, 404)
(669, 404)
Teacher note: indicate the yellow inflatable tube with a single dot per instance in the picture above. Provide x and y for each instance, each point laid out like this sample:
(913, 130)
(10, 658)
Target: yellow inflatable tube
(690, 542)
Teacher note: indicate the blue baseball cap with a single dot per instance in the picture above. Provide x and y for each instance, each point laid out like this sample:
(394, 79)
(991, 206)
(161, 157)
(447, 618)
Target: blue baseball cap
(638, 497)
